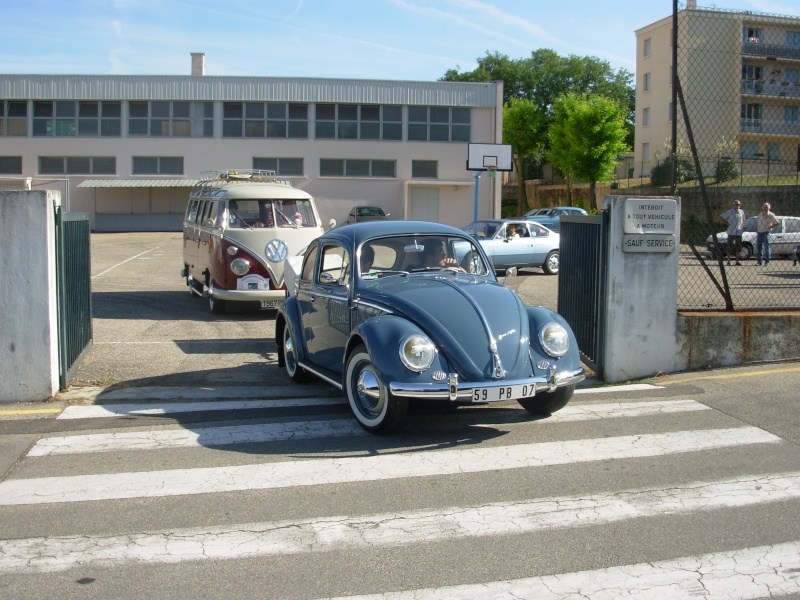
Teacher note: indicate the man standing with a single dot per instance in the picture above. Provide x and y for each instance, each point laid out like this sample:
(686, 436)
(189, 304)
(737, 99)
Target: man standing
(766, 223)
(734, 219)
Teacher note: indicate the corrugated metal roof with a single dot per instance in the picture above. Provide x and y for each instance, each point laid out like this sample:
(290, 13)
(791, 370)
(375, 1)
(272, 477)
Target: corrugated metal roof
(138, 183)
(249, 89)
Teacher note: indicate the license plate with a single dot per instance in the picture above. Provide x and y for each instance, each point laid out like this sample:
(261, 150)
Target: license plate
(509, 392)
(270, 303)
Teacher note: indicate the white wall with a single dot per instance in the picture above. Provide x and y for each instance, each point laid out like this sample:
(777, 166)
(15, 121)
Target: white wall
(28, 325)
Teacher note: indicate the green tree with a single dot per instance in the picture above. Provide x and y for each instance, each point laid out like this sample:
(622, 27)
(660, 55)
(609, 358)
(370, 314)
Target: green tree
(522, 125)
(587, 136)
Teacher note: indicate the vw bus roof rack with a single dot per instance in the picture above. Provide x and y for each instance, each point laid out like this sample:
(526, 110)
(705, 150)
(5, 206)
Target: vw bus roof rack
(240, 175)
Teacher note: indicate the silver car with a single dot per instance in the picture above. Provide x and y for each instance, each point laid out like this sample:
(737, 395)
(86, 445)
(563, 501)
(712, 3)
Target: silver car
(782, 239)
(517, 243)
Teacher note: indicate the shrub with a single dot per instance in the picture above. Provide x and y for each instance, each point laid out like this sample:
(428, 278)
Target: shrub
(726, 170)
(661, 174)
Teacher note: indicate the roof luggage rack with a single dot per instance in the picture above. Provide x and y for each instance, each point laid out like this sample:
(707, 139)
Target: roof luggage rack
(240, 175)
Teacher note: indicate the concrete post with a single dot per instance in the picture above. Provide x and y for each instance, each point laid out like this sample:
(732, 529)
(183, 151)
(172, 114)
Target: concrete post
(642, 287)
(29, 322)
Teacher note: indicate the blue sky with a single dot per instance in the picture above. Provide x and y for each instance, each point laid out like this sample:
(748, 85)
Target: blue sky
(414, 40)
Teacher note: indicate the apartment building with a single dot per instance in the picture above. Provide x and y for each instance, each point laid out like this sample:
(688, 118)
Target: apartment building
(127, 149)
(740, 75)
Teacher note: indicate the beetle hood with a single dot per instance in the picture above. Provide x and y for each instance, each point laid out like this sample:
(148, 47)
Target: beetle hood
(480, 326)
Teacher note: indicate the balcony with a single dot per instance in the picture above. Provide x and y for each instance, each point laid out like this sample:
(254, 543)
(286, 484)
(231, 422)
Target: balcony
(771, 127)
(778, 89)
(771, 50)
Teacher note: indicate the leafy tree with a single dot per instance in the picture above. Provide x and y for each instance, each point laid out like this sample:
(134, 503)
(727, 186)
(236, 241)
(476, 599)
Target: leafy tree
(522, 125)
(587, 136)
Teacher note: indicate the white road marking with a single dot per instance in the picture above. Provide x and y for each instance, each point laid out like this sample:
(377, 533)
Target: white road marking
(631, 387)
(762, 572)
(337, 533)
(96, 411)
(125, 261)
(271, 432)
(179, 482)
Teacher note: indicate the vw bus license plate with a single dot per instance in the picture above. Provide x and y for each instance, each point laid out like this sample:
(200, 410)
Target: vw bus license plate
(270, 303)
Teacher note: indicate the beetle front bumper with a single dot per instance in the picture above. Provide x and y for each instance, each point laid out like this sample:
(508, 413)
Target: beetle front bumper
(452, 390)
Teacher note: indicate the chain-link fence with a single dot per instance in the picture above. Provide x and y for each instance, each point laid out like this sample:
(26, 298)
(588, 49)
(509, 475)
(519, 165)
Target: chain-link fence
(735, 136)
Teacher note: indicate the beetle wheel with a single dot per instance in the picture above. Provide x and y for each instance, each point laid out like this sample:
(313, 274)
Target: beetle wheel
(374, 406)
(293, 369)
(548, 403)
(551, 263)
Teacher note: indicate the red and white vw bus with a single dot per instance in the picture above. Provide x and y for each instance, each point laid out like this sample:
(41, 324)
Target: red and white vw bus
(239, 228)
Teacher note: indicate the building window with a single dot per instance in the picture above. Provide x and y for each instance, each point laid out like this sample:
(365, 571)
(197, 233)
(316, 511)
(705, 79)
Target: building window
(162, 118)
(265, 120)
(646, 117)
(288, 167)
(351, 167)
(13, 118)
(773, 151)
(77, 165)
(427, 169)
(359, 122)
(748, 149)
(648, 47)
(793, 38)
(645, 152)
(69, 118)
(647, 82)
(751, 34)
(790, 115)
(438, 124)
(10, 165)
(158, 165)
(751, 117)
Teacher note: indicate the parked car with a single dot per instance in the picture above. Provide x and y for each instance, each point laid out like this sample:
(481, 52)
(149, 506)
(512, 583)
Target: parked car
(426, 319)
(782, 239)
(535, 211)
(359, 214)
(552, 218)
(533, 245)
(238, 229)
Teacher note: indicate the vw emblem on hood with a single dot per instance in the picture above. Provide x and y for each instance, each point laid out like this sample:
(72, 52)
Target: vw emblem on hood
(276, 251)
(543, 364)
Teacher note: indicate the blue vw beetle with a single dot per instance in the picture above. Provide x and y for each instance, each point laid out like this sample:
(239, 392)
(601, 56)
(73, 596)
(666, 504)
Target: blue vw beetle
(388, 311)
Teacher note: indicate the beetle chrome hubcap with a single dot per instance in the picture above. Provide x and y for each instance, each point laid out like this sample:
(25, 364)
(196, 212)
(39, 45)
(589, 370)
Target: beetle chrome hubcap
(369, 391)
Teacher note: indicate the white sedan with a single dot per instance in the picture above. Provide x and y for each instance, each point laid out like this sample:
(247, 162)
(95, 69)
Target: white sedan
(782, 239)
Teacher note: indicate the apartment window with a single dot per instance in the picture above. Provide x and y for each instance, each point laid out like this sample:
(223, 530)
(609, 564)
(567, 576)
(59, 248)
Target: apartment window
(773, 151)
(646, 152)
(748, 149)
(77, 165)
(751, 116)
(359, 122)
(427, 169)
(70, 118)
(158, 165)
(10, 165)
(751, 34)
(288, 167)
(163, 118)
(350, 167)
(284, 120)
(793, 75)
(648, 47)
(647, 82)
(790, 115)
(13, 118)
(438, 124)
(793, 38)
(646, 117)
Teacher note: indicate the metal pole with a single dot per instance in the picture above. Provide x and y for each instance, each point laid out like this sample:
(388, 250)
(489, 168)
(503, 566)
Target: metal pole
(477, 177)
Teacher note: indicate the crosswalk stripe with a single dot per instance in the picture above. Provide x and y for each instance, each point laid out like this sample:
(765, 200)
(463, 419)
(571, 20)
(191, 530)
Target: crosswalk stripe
(761, 572)
(368, 468)
(392, 530)
(270, 432)
(99, 411)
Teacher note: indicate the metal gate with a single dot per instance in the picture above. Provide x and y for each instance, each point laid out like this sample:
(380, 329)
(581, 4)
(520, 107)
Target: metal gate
(583, 256)
(74, 291)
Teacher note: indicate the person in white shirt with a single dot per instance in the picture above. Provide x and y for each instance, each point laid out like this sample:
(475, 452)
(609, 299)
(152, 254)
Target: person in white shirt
(734, 219)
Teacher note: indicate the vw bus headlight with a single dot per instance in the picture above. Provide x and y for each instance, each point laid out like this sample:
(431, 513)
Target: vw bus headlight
(417, 352)
(554, 339)
(240, 266)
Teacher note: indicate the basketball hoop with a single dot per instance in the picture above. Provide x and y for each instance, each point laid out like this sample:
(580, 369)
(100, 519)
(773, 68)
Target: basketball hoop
(491, 171)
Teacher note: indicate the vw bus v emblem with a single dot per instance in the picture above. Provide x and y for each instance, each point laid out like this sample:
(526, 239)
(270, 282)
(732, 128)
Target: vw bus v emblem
(276, 251)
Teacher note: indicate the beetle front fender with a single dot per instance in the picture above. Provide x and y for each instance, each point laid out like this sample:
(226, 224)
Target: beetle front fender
(538, 317)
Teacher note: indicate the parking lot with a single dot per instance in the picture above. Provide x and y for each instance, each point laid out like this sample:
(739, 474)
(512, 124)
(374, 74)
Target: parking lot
(149, 331)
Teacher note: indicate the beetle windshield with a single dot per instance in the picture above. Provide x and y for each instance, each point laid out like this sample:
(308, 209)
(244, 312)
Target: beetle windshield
(398, 255)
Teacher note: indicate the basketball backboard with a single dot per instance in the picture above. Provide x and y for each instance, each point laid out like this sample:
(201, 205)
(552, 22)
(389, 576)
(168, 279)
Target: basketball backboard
(482, 157)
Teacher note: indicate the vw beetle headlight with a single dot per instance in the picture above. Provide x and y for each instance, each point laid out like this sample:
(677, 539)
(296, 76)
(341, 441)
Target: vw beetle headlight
(240, 266)
(417, 352)
(554, 339)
